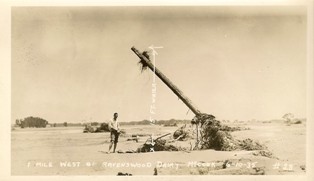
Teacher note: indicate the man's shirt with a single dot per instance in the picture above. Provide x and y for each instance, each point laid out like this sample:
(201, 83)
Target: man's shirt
(113, 124)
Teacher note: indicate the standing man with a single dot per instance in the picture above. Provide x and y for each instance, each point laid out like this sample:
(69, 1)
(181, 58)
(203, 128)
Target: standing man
(114, 132)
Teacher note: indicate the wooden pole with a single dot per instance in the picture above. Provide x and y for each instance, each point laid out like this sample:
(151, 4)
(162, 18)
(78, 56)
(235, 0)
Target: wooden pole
(163, 78)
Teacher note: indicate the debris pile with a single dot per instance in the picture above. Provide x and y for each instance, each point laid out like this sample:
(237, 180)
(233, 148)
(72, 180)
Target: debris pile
(182, 134)
(232, 129)
(88, 129)
(162, 145)
(170, 125)
(212, 135)
(264, 153)
(157, 144)
(134, 138)
(104, 127)
(215, 136)
(249, 144)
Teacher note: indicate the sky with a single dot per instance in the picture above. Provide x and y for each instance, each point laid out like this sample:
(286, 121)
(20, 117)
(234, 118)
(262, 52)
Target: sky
(75, 64)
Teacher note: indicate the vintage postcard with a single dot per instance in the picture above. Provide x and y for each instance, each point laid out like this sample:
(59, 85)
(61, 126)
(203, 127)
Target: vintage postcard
(160, 91)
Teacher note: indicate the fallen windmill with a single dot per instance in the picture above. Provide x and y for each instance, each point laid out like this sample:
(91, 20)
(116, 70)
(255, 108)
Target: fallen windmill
(210, 133)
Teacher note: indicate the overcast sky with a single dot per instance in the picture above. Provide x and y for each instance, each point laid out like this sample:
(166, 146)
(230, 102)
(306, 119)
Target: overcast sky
(74, 64)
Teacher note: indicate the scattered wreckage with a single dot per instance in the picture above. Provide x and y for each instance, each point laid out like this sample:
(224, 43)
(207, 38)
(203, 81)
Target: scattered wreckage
(210, 133)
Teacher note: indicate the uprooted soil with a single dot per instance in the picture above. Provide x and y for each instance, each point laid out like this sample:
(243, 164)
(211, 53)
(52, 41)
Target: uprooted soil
(214, 135)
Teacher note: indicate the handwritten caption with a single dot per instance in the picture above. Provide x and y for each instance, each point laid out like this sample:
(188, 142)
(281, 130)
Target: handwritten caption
(157, 164)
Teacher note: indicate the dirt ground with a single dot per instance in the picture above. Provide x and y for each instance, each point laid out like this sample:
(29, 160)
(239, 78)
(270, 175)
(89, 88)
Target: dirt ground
(69, 151)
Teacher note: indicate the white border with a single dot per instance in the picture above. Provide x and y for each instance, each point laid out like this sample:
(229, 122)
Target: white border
(5, 84)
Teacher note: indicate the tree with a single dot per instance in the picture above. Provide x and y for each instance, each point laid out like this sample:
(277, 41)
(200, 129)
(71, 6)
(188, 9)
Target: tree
(17, 122)
(33, 122)
(65, 124)
(288, 117)
(22, 124)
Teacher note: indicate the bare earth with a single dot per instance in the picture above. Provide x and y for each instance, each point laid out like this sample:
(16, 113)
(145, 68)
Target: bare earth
(69, 151)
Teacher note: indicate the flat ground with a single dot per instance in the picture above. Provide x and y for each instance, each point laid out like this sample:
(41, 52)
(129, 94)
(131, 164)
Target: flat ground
(69, 151)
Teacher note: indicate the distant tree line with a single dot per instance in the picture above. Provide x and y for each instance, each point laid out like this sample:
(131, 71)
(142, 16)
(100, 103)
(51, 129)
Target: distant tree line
(42, 123)
(65, 124)
(143, 122)
(32, 122)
